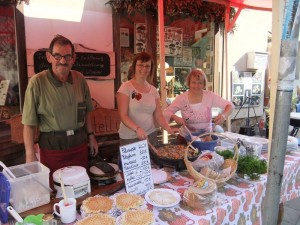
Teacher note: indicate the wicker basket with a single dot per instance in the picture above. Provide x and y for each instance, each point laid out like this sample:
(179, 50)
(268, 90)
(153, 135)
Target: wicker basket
(210, 174)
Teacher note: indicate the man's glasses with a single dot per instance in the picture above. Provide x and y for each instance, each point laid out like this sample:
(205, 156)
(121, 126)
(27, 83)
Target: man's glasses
(143, 66)
(58, 57)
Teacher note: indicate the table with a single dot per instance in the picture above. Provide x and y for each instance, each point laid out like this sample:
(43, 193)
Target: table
(239, 201)
(295, 122)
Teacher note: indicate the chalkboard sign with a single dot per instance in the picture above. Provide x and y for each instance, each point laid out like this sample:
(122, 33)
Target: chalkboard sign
(90, 64)
(137, 167)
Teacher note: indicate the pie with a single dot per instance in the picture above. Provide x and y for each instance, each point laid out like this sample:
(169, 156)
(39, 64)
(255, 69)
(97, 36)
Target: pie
(97, 204)
(162, 197)
(126, 201)
(97, 219)
(137, 217)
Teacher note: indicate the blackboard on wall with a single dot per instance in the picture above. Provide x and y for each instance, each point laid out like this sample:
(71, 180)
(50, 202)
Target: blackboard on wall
(90, 64)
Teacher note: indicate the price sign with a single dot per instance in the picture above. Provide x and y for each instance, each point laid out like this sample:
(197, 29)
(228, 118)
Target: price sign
(137, 167)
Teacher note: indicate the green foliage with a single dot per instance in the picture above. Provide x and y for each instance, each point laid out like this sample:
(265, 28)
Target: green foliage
(227, 154)
(252, 166)
(199, 10)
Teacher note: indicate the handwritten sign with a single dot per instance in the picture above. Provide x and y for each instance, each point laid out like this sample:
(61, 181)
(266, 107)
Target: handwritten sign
(90, 64)
(137, 167)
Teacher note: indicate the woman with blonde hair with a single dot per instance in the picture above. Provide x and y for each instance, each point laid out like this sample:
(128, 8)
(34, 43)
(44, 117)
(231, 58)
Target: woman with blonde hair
(196, 105)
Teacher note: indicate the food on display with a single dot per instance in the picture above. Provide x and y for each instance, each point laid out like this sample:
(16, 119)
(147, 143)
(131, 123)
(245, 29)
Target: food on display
(174, 152)
(207, 138)
(97, 219)
(137, 217)
(126, 201)
(162, 197)
(97, 204)
(201, 195)
(159, 176)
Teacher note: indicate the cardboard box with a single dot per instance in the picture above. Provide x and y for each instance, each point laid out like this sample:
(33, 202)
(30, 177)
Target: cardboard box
(30, 188)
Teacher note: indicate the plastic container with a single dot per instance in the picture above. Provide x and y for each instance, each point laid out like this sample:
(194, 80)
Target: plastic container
(30, 188)
(204, 145)
(248, 148)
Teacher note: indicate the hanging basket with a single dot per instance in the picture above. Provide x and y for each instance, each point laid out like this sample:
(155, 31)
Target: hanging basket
(208, 173)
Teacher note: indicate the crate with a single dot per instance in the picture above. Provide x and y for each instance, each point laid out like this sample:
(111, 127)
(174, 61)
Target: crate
(30, 188)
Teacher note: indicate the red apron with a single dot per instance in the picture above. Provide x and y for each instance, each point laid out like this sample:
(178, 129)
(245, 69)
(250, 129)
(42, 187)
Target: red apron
(56, 159)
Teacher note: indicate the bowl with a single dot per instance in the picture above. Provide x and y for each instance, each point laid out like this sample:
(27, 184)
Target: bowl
(204, 145)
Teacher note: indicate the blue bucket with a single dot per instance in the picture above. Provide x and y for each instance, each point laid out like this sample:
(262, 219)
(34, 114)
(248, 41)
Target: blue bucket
(204, 145)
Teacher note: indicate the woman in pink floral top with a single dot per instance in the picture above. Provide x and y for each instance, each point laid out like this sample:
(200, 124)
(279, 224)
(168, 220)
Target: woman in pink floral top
(196, 105)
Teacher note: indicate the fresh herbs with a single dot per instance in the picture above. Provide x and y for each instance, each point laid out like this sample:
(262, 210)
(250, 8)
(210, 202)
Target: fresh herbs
(227, 154)
(251, 166)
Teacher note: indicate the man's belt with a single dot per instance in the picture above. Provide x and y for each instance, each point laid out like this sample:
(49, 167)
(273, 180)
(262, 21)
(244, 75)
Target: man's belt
(65, 133)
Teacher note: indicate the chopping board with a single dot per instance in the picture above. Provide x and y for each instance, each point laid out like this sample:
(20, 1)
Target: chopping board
(96, 190)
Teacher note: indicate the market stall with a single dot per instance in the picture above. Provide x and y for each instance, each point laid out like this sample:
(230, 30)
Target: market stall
(238, 201)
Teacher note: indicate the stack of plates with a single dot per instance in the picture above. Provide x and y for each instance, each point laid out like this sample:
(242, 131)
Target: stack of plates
(292, 143)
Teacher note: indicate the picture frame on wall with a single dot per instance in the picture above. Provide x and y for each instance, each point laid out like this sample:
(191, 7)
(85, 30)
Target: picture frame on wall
(238, 89)
(238, 100)
(180, 74)
(256, 89)
(139, 37)
(124, 37)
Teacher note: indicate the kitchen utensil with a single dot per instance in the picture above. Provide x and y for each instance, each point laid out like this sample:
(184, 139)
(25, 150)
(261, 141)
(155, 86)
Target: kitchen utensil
(63, 189)
(76, 181)
(178, 164)
(14, 214)
(7, 170)
(17, 216)
(191, 135)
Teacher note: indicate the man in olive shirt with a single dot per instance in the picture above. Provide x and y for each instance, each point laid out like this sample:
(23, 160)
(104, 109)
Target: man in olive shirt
(58, 103)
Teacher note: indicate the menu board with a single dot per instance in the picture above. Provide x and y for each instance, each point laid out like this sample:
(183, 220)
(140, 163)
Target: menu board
(136, 167)
(90, 64)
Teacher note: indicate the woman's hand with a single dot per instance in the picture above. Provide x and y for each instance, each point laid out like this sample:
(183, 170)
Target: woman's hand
(219, 119)
(178, 120)
(141, 134)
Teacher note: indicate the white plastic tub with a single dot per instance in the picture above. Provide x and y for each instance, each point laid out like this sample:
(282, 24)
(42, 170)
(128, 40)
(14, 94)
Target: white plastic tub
(30, 188)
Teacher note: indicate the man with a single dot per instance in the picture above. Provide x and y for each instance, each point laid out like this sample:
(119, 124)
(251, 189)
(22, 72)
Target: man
(58, 103)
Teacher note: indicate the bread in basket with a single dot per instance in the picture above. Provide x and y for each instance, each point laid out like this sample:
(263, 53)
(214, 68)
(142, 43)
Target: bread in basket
(228, 168)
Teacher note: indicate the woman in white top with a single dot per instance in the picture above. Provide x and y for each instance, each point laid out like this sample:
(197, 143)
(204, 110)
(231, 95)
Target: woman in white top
(196, 105)
(139, 104)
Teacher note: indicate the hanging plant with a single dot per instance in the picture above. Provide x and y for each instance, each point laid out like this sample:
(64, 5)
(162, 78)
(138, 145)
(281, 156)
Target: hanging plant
(12, 2)
(199, 10)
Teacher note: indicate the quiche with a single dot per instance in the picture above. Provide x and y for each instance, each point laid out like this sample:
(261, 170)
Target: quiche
(126, 201)
(97, 219)
(97, 204)
(137, 217)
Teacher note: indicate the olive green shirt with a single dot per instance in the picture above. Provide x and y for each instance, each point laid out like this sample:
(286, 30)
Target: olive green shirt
(55, 106)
